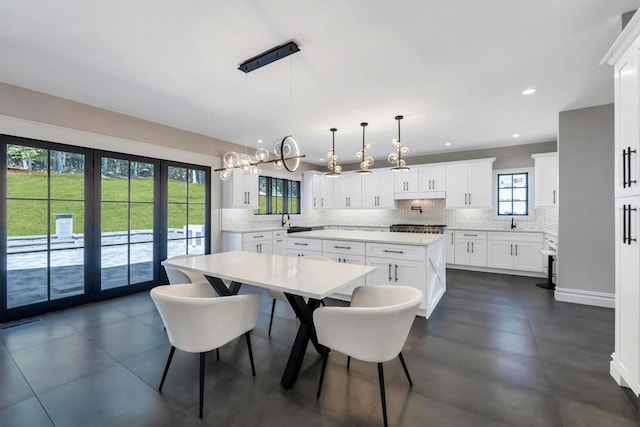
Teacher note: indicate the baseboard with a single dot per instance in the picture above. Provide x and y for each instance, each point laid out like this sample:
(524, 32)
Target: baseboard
(577, 296)
(496, 270)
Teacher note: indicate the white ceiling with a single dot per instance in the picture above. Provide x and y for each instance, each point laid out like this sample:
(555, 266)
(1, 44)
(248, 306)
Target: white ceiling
(454, 69)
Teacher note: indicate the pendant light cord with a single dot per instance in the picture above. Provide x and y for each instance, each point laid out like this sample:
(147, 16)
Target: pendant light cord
(290, 96)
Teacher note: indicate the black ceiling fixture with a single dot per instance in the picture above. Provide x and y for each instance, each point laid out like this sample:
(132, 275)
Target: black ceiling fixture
(271, 55)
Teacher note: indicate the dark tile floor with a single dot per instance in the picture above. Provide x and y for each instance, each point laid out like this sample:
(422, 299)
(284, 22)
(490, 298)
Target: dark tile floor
(497, 351)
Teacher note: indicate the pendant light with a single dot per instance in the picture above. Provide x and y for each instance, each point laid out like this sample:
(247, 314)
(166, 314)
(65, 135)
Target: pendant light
(395, 158)
(336, 170)
(365, 161)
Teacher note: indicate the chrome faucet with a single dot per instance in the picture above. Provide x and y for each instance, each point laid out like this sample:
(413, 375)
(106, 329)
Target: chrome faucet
(283, 221)
(513, 223)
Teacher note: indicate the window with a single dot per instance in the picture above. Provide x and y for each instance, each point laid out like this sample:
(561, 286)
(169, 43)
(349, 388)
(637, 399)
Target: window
(277, 195)
(513, 194)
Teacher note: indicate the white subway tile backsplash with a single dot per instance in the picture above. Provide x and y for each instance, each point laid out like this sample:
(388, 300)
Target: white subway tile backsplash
(433, 212)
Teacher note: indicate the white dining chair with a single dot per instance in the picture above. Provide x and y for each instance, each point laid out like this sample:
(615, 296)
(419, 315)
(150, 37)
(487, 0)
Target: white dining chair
(199, 323)
(373, 328)
(277, 295)
(178, 276)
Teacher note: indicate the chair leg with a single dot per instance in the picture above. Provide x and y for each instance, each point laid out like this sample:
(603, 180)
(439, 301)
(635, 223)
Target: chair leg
(202, 355)
(325, 357)
(248, 336)
(217, 354)
(406, 371)
(322, 303)
(348, 362)
(273, 308)
(382, 395)
(166, 368)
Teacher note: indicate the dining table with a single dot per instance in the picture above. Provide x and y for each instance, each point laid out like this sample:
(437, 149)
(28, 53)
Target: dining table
(305, 283)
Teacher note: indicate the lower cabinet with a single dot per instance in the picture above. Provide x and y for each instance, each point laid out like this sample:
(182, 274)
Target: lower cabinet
(348, 253)
(302, 247)
(470, 248)
(253, 241)
(515, 251)
(278, 243)
(450, 247)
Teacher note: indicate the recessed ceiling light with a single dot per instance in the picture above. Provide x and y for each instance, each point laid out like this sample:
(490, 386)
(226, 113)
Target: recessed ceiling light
(529, 91)
(516, 135)
(259, 141)
(322, 160)
(448, 143)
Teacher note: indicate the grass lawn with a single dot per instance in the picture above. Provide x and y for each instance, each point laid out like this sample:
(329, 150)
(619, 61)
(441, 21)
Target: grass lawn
(28, 217)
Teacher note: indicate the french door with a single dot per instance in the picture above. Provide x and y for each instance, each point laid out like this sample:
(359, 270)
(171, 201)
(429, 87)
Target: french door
(79, 225)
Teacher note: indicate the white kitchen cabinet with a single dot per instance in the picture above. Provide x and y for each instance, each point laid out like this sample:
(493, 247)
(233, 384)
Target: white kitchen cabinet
(277, 245)
(322, 194)
(407, 181)
(546, 179)
(377, 190)
(296, 246)
(469, 184)
(347, 252)
(623, 55)
(515, 251)
(241, 191)
(471, 248)
(450, 246)
(348, 191)
(432, 178)
(259, 242)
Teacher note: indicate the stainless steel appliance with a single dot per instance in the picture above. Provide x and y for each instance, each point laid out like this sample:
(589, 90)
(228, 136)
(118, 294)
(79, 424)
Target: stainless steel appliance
(418, 228)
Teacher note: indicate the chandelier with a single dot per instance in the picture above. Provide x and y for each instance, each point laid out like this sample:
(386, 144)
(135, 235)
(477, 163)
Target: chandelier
(395, 158)
(365, 161)
(336, 170)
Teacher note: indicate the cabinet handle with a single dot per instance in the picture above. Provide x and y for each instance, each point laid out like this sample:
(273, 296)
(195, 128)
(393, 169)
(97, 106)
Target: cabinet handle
(322, 202)
(396, 272)
(624, 174)
(469, 199)
(631, 181)
(301, 244)
(511, 250)
(516, 250)
(258, 237)
(452, 238)
(467, 247)
(342, 247)
(471, 247)
(389, 272)
(314, 202)
(629, 210)
(554, 197)
(624, 224)
(392, 252)
(279, 240)
(465, 199)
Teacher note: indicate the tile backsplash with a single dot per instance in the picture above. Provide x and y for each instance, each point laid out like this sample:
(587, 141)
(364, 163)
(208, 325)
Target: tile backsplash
(433, 212)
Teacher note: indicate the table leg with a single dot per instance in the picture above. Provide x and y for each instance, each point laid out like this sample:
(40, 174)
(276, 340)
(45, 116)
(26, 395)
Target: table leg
(306, 332)
(549, 283)
(222, 289)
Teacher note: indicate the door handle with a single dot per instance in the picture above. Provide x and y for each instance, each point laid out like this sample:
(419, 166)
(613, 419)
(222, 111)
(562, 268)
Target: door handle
(396, 272)
(389, 272)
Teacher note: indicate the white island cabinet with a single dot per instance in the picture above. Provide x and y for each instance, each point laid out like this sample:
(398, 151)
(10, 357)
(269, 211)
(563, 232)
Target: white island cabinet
(416, 260)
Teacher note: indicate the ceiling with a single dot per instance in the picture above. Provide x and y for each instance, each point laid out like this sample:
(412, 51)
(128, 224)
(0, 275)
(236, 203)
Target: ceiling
(454, 69)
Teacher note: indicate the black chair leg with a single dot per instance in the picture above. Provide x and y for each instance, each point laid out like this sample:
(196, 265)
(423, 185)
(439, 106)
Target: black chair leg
(201, 382)
(217, 354)
(166, 367)
(322, 303)
(382, 395)
(325, 357)
(348, 362)
(273, 308)
(248, 336)
(406, 371)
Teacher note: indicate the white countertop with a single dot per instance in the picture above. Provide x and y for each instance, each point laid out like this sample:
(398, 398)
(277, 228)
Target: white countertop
(367, 236)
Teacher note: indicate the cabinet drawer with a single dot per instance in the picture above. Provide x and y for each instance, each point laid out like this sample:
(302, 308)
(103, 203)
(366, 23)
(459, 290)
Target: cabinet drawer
(466, 235)
(256, 236)
(301, 252)
(406, 252)
(343, 247)
(279, 234)
(303, 244)
(507, 236)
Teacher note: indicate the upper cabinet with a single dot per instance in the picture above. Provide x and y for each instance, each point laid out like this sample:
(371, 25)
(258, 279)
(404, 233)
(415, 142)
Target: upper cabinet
(377, 190)
(546, 179)
(322, 191)
(241, 191)
(420, 182)
(406, 181)
(432, 178)
(348, 191)
(469, 184)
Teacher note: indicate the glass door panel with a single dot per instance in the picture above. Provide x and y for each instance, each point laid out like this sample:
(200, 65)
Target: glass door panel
(45, 224)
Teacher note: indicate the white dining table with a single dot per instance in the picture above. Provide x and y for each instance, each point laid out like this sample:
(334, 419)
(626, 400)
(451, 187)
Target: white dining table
(297, 277)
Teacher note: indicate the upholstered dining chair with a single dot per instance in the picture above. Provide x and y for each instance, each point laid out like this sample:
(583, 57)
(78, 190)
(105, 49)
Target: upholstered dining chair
(177, 276)
(277, 295)
(199, 323)
(373, 328)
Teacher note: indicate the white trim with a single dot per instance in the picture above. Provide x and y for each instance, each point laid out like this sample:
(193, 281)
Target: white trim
(626, 38)
(497, 270)
(531, 215)
(578, 296)
(615, 370)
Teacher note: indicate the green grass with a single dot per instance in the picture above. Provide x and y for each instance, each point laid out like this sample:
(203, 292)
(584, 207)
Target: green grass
(28, 217)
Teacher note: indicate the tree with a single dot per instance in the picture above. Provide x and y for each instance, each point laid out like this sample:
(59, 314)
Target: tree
(27, 155)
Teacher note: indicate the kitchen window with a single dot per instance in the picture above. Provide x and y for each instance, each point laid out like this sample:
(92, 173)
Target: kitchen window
(277, 196)
(513, 194)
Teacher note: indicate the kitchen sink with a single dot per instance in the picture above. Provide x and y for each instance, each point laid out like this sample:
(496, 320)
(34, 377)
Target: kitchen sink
(297, 229)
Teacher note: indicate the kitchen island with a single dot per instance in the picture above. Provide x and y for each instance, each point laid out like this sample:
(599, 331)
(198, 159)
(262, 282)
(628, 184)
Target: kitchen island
(416, 260)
